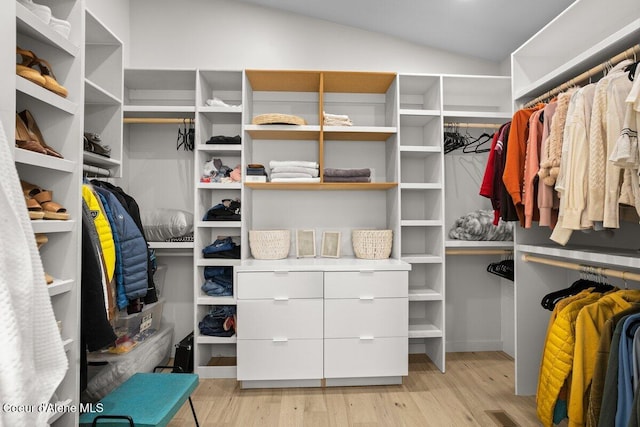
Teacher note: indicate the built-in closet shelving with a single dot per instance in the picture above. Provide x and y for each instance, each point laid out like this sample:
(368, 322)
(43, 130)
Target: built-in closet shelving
(435, 191)
(60, 121)
(215, 356)
(545, 61)
(103, 86)
(322, 298)
(422, 210)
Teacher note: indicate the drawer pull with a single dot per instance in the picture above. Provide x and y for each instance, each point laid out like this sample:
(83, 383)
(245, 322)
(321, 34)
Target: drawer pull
(281, 298)
(280, 340)
(366, 338)
(367, 298)
(366, 271)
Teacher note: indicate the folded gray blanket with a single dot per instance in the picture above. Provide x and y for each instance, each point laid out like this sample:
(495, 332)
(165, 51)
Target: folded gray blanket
(478, 225)
(347, 172)
(347, 179)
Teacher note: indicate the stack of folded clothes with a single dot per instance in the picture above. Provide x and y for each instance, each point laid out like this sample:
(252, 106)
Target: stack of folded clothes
(219, 322)
(218, 281)
(294, 171)
(336, 119)
(223, 247)
(347, 175)
(222, 139)
(255, 173)
(226, 210)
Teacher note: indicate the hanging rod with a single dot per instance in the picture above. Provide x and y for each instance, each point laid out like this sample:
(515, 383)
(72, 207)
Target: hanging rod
(629, 53)
(96, 171)
(473, 125)
(624, 275)
(156, 120)
(478, 251)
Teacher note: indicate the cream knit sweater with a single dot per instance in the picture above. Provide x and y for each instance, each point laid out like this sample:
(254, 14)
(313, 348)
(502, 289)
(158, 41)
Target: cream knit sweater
(33, 361)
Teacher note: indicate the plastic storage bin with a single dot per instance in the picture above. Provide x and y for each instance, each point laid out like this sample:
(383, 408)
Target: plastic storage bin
(140, 325)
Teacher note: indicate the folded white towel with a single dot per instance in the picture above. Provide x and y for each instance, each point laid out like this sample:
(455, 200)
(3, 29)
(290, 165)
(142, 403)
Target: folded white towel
(295, 169)
(288, 163)
(295, 180)
(290, 175)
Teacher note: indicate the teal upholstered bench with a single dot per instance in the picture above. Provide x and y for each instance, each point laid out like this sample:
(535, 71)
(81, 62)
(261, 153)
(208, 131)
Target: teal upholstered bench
(144, 400)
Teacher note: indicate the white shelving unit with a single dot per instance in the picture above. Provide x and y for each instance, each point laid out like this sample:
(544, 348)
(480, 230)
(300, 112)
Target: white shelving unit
(215, 357)
(103, 86)
(542, 63)
(435, 190)
(60, 121)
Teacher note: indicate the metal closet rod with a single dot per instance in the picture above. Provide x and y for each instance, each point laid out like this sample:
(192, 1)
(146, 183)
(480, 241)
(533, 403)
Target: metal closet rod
(627, 54)
(473, 125)
(624, 275)
(157, 120)
(96, 171)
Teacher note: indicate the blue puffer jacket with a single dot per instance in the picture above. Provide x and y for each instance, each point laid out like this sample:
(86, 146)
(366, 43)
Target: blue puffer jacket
(133, 249)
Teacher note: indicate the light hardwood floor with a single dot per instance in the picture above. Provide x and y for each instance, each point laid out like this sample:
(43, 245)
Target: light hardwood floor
(476, 390)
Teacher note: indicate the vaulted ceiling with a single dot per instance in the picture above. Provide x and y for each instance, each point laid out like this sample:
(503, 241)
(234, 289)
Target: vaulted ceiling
(487, 29)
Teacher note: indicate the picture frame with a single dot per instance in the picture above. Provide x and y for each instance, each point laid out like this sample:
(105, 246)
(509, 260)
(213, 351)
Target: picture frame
(331, 244)
(305, 243)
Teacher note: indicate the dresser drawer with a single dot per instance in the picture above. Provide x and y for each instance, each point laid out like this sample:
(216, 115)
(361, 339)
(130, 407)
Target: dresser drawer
(267, 319)
(378, 357)
(279, 360)
(287, 284)
(355, 284)
(356, 318)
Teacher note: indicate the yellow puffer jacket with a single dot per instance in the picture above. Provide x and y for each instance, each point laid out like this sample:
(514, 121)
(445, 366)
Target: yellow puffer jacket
(557, 359)
(103, 228)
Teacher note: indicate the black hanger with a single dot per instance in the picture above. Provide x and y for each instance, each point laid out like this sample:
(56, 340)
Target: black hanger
(502, 268)
(474, 146)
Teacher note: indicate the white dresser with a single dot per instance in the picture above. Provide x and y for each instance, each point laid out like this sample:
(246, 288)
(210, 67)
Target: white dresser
(301, 322)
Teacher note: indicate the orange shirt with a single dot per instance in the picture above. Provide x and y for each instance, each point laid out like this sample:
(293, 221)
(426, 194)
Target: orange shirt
(513, 175)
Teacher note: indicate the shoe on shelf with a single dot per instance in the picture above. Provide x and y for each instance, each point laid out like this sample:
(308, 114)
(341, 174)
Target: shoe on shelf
(34, 209)
(52, 210)
(24, 67)
(41, 11)
(49, 279)
(93, 144)
(61, 26)
(28, 140)
(41, 239)
(34, 130)
(50, 79)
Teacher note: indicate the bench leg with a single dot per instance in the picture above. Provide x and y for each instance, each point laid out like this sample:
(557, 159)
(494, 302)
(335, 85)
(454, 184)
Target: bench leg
(194, 412)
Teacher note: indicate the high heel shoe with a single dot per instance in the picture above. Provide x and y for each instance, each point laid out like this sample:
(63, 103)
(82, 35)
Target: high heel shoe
(32, 127)
(25, 140)
(23, 68)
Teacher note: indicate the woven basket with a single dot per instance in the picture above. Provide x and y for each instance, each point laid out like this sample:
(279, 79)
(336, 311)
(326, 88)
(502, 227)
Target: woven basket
(269, 244)
(372, 244)
(278, 119)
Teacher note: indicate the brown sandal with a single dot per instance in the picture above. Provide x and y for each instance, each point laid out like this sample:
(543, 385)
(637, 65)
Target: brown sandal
(52, 210)
(23, 69)
(34, 208)
(50, 79)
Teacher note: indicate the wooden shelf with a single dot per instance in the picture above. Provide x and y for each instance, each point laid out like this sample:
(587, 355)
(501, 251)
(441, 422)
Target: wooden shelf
(331, 186)
(357, 82)
(289, 81)
(286, 132)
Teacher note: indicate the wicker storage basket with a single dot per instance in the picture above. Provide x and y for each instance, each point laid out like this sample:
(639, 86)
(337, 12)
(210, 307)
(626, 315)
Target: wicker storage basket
(269, 244)
(372, 244)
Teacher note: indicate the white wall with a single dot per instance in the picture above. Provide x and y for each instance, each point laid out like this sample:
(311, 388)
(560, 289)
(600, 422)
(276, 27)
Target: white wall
(115, 15)
(220, 34)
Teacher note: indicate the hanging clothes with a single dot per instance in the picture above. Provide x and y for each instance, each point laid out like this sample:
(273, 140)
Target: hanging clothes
(548, 202)
(513, 176)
